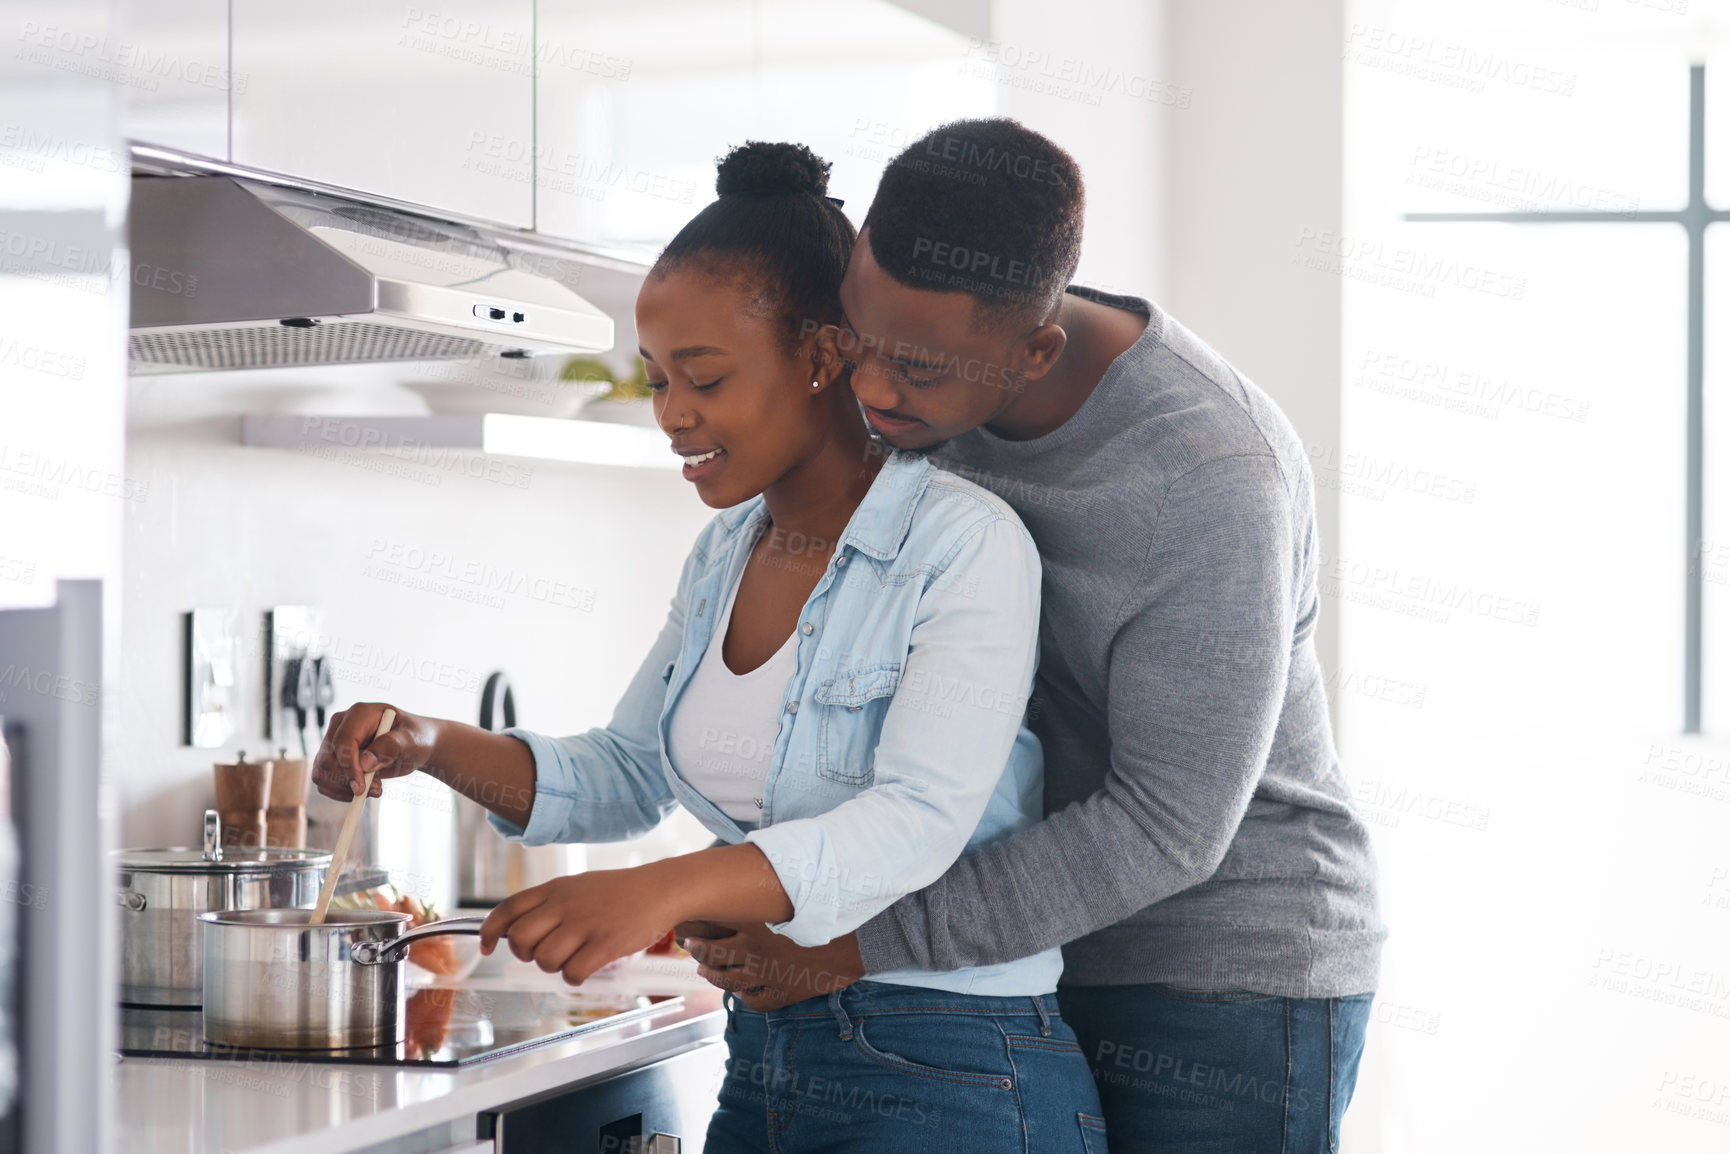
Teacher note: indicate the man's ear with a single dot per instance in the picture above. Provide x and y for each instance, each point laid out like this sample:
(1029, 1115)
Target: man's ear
(827, 363)
(1033, 355)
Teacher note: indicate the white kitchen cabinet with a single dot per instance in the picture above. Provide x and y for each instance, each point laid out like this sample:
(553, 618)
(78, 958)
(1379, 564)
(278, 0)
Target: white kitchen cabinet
(172, 58)
(634, 103)
(428, 104)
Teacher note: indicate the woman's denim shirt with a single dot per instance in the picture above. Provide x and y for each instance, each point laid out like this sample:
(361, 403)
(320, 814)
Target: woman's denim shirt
(903, 738)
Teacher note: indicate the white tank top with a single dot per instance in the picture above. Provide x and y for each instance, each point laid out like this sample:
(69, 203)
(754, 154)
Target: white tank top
(722, 733)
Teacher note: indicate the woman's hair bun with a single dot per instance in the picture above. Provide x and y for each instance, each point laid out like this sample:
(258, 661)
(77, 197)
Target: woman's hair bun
(762, 168)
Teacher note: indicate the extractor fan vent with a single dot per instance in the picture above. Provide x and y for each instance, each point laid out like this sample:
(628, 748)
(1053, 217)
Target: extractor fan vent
(277, 346)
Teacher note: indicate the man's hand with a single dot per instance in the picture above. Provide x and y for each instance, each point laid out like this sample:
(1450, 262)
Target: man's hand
(575, 925)
(766, 970)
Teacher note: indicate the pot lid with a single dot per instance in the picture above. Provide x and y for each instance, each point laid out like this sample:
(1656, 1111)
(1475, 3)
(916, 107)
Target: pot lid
(191, 859)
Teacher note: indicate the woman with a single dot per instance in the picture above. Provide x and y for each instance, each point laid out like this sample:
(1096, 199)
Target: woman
(837, 694)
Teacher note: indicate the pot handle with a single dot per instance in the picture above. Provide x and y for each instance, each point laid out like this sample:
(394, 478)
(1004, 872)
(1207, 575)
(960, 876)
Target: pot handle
(212, 836)
(378, 953)
(132, 900)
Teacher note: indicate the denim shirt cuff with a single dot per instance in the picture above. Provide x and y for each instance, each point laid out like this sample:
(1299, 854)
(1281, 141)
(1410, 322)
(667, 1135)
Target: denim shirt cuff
(790, 846)
(551, 812)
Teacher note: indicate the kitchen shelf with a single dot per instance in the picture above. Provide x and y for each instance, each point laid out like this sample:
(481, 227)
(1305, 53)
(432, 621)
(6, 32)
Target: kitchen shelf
(494, 434)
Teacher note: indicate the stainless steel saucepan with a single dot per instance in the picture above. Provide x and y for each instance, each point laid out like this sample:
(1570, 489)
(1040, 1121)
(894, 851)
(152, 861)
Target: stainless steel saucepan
(273, 981)
(163, 891)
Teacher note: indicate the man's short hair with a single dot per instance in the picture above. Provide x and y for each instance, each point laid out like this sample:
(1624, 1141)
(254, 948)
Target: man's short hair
(989, 208)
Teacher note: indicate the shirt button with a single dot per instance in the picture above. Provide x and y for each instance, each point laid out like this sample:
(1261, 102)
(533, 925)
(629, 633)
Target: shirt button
(759, 802)
(840, 561)
(792, 707)
(807, 629)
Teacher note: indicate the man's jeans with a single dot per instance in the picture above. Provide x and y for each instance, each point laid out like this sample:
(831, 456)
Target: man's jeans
(1199, 1072)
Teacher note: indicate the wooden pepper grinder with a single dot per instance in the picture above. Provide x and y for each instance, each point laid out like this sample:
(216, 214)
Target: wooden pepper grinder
(285, 820)
(242, 797)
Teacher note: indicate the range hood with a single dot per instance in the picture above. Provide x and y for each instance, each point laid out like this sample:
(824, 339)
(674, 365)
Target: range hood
(229, 273)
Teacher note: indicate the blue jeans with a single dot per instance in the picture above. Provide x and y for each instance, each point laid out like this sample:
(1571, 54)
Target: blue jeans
(877, 1067)
(1221, 1072)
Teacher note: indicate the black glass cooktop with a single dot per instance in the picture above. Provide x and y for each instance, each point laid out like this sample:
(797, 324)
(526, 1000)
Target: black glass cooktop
(447, 1026)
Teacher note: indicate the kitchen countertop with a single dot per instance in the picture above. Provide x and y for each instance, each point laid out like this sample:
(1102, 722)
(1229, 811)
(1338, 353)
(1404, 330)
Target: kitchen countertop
(295, 1105)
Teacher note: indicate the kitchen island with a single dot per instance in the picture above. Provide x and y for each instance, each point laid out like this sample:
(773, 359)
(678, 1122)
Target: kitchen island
(294, 1104)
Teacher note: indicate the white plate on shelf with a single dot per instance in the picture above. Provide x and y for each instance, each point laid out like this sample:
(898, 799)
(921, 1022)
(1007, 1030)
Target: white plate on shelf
(520, 396)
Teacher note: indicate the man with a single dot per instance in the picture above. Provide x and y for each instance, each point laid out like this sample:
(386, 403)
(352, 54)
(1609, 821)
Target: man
(1201, 863)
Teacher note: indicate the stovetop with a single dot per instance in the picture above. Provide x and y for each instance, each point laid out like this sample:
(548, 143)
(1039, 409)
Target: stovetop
(447, 1026)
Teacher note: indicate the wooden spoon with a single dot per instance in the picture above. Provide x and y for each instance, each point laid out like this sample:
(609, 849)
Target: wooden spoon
(350, 823)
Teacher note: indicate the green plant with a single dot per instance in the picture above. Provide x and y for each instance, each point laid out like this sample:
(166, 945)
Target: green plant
(632, 388)
(587, 369)
(592, 369)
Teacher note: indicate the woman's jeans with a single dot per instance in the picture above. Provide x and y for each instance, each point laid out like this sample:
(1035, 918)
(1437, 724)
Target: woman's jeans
(877, 1067)
(1196, 1072)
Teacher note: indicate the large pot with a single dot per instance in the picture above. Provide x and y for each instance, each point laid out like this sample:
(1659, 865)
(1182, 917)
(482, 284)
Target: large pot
(273, 981)
(164, 891)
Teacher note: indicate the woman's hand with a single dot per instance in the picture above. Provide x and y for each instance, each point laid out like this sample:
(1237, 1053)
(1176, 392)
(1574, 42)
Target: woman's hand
(345, 758)
(575, 925)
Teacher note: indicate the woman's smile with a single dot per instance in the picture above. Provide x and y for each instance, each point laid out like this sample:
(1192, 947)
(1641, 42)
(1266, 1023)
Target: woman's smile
(701, 463)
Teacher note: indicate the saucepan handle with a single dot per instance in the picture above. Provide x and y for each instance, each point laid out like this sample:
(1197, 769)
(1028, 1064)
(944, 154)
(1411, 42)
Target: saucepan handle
(378, 953)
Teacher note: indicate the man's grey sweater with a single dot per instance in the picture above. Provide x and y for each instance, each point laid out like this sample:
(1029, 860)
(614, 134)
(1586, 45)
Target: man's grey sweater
(1200, 831)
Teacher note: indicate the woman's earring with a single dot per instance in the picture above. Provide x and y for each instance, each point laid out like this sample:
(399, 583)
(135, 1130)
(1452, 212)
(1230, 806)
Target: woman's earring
(816, 384)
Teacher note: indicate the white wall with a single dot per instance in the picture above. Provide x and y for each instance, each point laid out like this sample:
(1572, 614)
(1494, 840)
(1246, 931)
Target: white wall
(1209, 134)
(1098, 78)
(1253, 160)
